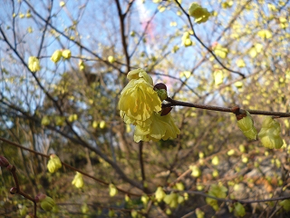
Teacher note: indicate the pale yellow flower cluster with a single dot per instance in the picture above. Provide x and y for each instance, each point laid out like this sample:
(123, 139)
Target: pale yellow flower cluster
(199, 13)
(140, 105)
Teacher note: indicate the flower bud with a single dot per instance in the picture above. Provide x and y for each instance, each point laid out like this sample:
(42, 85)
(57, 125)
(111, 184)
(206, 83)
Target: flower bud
(78, 180)
(144, 199)
(54, 163)
(82, 65)
(13, 190)
(45, 121)
(112, 190)
(215, 160)
(270, 134)
(46, 203)
(161, 90)
(195, 171)
(85, 208)
(3, 162)
(179, 186)
(159, 194)
(56, 56)
(246, 125)
(33, 64)
(66, 53)
(171, 200)
(111, 59)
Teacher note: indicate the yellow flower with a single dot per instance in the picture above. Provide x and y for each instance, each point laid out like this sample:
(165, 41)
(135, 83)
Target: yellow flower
(56, 56)
(140, 74)
(161, 127)
(33, 64)
(112, 190)
(54, 163)
(82, 65)
(66, 54)
(246, 125)
(78, 180)
(269, 135)
(160, 194)
(199, 13)
(138, 100)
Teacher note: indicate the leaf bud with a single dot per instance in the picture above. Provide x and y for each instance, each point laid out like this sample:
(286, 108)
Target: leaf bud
(4, 162)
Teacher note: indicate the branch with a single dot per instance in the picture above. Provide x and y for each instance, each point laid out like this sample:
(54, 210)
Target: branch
(64, 164)
(207, 48)
(222, 109)
(122, 31)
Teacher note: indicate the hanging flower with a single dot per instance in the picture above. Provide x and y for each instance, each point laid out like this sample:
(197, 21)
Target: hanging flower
(161, 127)
(33, 64)
(78, 180)
(46, 203)
(246, 125)
(270, 134)
(140, 105)
(138, 99)
(54, 163)
(56, 56)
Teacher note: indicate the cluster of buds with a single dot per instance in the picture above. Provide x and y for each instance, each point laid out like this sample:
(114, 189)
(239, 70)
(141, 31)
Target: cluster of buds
(186, 41)
(58, 54)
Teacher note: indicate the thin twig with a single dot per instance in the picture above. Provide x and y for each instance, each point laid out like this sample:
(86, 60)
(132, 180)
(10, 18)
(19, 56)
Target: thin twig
(64, 164)
(202, 43)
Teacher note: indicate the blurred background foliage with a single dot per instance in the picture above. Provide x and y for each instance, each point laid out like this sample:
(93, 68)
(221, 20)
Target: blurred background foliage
(70, 108)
